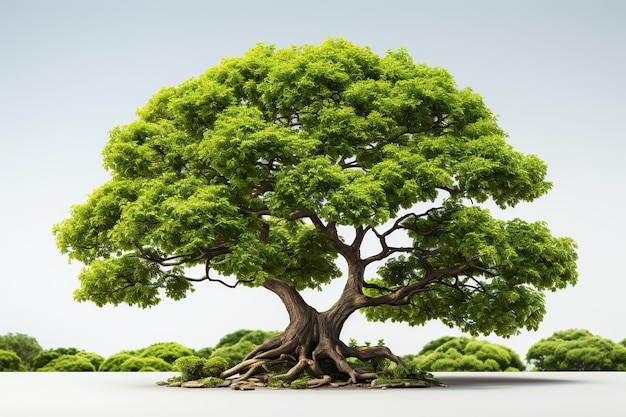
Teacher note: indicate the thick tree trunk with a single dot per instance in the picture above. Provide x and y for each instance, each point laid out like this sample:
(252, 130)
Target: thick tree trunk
(311, 340)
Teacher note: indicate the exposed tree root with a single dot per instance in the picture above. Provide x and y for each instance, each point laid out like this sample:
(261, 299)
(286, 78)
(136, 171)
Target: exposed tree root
(288, 358)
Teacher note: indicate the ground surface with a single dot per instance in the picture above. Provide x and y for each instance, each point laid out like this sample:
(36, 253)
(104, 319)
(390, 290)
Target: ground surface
(469, 394)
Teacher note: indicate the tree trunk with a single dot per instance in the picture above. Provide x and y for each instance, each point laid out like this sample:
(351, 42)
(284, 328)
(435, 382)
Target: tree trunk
(311, 340)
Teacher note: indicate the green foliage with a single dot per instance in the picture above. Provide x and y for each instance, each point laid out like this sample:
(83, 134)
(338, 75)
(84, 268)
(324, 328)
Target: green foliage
(274, 382)
(145, 364)
(300, 383)
(509, 264)
(44, 358)
(577, 350)
(449, 354)
(190, 367)
(114, 362)
(371, 365)
(411, 374)
(255, 337)
(205, 352)
(234, 353)
(194, 368)
(249, 169)
(168, 351)
(68, 363)
(10, 361)
(232, 338)
(26, 347)
(95, 359)
(236, 345)
(212, 382)
(214, 366)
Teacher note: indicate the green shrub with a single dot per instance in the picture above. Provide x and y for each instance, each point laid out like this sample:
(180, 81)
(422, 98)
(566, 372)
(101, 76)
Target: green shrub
(450, 354)
(43, 358)
(22, 345)
(10, 361)
(68, 363)
(214, 366)
(114, 362)
(234, 354)
(191, 368)
(395, 374)
(144, 364)
(577, 350)
(232, 338)
(235, 346)
(92, 357)
(168, 351)
(205, 352)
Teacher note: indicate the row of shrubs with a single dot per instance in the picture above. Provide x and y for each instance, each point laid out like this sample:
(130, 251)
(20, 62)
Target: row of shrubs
(568, 350)
(19, 352)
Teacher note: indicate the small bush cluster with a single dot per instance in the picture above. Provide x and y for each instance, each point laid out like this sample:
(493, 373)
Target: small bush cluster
(450, 354)
(394, 374)
(10, 361)
(193, 368)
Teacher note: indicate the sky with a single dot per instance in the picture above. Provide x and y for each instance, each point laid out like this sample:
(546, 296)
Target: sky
(554, 72)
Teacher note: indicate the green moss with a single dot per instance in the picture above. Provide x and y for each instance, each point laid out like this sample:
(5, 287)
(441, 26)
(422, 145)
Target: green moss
(212, 382)
(214, 366)
(190, 367)
(275, 382)
(406, 374)
(299, 383)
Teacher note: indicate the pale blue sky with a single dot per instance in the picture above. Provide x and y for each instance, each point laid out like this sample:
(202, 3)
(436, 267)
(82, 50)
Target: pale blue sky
(71, 70)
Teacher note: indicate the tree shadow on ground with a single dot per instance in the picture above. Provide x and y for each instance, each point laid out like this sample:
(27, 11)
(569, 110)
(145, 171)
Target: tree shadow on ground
(498, 380)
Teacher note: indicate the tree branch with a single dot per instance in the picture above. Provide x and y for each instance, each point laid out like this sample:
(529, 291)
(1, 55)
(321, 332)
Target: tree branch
(402, 294)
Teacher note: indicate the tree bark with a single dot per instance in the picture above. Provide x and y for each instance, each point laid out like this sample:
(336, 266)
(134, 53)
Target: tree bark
(311, 340)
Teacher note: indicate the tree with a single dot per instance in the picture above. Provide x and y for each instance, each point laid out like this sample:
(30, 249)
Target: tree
(26, 347)
(577, 350)
(449, 354)
(270, 168)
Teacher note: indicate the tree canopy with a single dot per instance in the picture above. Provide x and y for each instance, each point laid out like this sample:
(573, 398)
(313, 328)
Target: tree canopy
(267, 168)
(577, 350)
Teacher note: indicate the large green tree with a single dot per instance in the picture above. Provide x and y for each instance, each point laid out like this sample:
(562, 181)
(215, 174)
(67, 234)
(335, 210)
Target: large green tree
(270, 166)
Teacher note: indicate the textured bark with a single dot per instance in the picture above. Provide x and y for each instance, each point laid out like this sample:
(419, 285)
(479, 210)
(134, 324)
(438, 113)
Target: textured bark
(311, 340)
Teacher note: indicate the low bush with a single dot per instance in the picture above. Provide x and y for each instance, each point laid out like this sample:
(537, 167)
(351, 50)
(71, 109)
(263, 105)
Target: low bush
(145, 364)
(193, 368)
(10, 361)
(68, 363)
